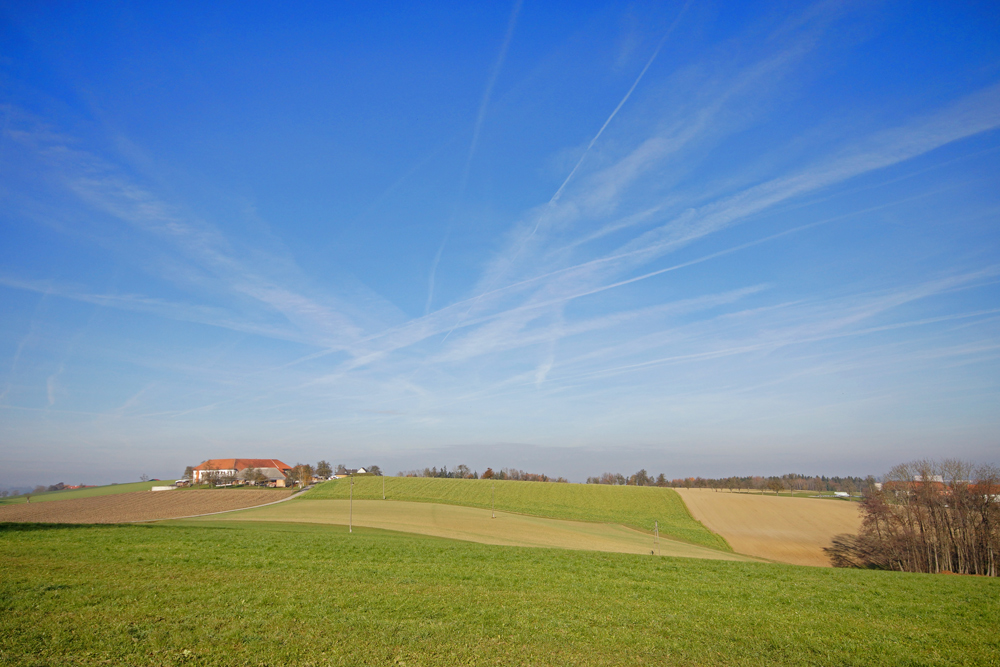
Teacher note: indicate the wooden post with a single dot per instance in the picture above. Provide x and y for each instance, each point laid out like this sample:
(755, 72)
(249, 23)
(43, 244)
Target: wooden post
(350, 520)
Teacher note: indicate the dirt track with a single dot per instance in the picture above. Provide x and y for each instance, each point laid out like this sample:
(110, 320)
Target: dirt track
(790, 530)
(139, 506)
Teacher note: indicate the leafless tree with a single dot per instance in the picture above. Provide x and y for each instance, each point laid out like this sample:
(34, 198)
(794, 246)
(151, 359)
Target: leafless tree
(302, 474)
(928, 517)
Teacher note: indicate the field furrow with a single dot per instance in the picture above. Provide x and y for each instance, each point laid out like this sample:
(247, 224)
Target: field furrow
(140, 506)
(789, 530)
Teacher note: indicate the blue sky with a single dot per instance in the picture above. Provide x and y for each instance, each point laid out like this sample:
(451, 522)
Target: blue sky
(700, 238)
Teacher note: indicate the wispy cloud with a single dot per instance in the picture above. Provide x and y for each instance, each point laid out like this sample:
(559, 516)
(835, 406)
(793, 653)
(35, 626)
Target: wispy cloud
(477, 129)
(635, 282)
(106, 188)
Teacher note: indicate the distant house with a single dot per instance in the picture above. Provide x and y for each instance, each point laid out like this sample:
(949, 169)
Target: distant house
(346, 472)
(274, 470)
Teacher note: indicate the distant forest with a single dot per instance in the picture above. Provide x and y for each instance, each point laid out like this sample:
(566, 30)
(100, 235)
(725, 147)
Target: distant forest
(789, 482)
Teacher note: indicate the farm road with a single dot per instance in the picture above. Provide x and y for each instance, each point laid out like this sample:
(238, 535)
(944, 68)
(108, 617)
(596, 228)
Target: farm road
(789, 530)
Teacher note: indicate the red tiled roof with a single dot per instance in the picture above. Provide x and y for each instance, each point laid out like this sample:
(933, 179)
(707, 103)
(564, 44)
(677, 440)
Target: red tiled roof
(242, 464)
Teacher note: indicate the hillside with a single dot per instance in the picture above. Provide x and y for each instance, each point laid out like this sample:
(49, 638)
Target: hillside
(90, 492)
(140, 506)
(241, 593)
(471, 524)
(634, 506)
(782, 528)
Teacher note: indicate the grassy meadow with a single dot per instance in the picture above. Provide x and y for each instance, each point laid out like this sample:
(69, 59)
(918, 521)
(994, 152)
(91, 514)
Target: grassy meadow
(634, 506)
(70, 494)
(294, 594)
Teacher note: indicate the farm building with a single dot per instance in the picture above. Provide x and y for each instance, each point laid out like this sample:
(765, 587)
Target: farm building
(274, 470)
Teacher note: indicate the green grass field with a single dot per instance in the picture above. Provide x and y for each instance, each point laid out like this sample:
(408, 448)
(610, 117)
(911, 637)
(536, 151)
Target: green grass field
(634, 506)
(69, 494)
(292, 594)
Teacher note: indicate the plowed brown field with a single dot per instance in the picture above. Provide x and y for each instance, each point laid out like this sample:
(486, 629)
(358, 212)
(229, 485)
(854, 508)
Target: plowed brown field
(139, 506)
(790, 530)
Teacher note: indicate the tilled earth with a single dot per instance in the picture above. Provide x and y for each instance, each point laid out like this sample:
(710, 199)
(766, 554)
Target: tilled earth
(789, 530)
(140, 506)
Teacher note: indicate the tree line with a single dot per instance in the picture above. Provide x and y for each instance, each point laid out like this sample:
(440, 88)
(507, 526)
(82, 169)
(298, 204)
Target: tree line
(775, 483)
(463, 471)
(928, 517)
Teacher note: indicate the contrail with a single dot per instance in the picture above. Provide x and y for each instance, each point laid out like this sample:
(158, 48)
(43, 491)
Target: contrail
(477, 128)
(488, 93)
(597, 136)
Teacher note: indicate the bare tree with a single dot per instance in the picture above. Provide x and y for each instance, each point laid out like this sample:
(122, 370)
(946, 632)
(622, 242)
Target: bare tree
(928, 517)
(302, 474)
(324, 470)
(254, 476)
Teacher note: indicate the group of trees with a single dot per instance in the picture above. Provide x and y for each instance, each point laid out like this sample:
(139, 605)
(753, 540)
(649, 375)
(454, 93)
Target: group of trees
(463, 471)
(522, 476)
(41, 488)
(301, 474)
(460, 471)
(928, 517)
(641, 478)
(344, 470)
(790, 482)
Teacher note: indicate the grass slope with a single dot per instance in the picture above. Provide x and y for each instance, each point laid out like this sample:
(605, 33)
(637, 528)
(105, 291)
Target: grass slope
(473, 524)
(291, 594)
(634, 506)
(70, 494)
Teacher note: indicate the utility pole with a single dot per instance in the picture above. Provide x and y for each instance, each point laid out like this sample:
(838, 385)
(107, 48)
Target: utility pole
(350, 520)
(383, 487)
(493, 496)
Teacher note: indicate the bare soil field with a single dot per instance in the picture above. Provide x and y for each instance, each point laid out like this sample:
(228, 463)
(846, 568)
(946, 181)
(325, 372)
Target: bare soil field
(789, 530)
(139, 506)
(475, 525)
